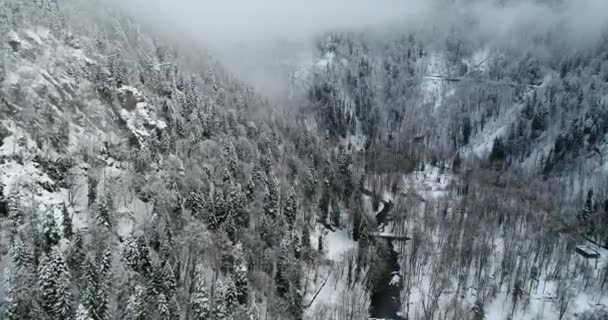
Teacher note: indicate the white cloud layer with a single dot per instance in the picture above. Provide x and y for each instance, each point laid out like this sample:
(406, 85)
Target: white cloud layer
(251, 35)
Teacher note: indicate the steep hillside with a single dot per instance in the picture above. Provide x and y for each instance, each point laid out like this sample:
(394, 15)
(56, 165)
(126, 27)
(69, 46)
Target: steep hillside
(410, 175)
(138, 183)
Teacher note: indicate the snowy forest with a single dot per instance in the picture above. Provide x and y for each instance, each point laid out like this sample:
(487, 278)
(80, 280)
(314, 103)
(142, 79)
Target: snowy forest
(433, 169)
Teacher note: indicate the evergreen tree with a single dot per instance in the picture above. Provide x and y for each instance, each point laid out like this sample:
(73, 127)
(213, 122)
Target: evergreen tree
(364, 234)
(478, 310)
(22, 255)
(50, 232)
(105, 207)
(253, 313)
(306, 238)
(498, 150)
(136, 308)
(346, 175)
(240, 275)
(250, 190)
(290, 210)
(271, 198)
(230, 297)
(235, 202)
(320, 244)
(96, 283)
(92, 184)
(456, 163)
(76, 256)
(220, 210)
(231, 157)
(517, 293)
(200, 300)
(168, 284)
(82, 313)
(137, 255)
(11, 302)
(281, 276)
(162, 305)
(296, 309)
(68, 232)
(585, 216)
(219, 307)
(54, 284)
(324, 205)
(357, 220)
(310, 184)
(335, 215)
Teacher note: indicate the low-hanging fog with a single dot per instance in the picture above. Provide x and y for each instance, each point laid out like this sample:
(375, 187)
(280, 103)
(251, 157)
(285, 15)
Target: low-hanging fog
(254, 38)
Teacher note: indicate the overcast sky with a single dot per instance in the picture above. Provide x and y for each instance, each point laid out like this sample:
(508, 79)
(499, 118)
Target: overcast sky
(246, 34)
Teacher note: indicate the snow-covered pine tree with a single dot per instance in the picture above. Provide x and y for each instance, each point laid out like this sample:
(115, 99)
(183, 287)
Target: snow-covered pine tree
(306, 238)
(478, 311)
(310, 183)
(63, 303)
(281, 277)
(11, 303)
(66, 222)
(50, 231)
(290, 210)
(345, 172)
(22, 255)
(82, 313)
(231, 157)
(220, 210)
(324, 205)
(136, 306)
(335, 214)
(236, 201)
(200, 299)
(76, 255)
(253, 314)
(271, 198)
(54, 283)
(357, 219)
(92, 189)
(230, 296)
(95, 297)
(105, 208)
(162, 306)
(240, 275)
(219, 307)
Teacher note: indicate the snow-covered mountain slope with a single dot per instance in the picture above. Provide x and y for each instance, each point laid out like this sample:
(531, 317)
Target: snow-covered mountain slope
(138, 180)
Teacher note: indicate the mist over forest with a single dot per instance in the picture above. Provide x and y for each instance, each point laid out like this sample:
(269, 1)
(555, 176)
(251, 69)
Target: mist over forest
(304, 160)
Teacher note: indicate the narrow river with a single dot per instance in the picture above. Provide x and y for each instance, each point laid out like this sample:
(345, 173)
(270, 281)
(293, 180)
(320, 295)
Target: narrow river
(385, 294)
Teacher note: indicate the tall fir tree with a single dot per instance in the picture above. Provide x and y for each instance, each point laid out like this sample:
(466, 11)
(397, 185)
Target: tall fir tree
(271, 198)
(306, 238)
(66, 222)
(136, 305)
(324, 205)
(50, 232)
(281, 277)
(200, 299)
(219, 305)
(82, 313)
(478, 311)
(54, 284)
(290, 210)
(240, 275)
(357, 220)
(105, 208)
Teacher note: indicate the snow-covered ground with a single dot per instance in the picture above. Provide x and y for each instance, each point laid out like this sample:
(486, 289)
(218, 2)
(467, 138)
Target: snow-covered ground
(434, 89)
(424, 281)
(328, 293)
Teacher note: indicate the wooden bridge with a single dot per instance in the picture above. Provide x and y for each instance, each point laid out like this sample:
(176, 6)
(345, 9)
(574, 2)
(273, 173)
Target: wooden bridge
(390, 236)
